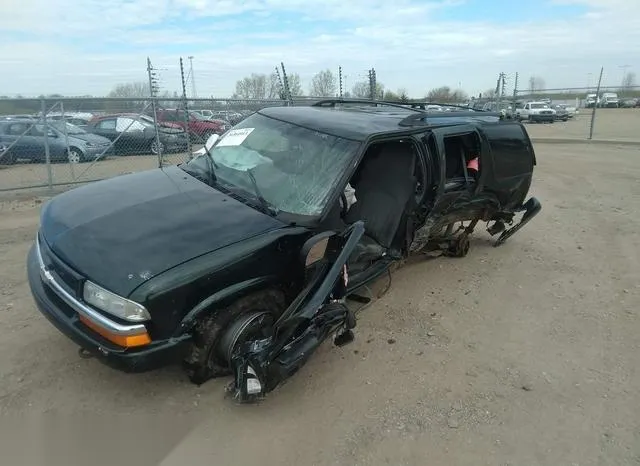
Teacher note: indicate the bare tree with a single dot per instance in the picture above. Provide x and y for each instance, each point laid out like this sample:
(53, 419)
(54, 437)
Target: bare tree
(360, 90)
(536, 83)
(323, 84)
(252, 87)
(444, 94)
(629, 80)
(295, 85)
(133, 89)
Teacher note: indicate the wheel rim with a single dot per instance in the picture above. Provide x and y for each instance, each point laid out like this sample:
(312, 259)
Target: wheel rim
(157, 148)
(74, 156)
(244, 328)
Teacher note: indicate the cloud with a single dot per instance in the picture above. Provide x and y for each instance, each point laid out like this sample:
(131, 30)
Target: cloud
(77, 48)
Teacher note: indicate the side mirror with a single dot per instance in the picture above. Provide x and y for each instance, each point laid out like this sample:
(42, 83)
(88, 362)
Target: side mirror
(211, 141)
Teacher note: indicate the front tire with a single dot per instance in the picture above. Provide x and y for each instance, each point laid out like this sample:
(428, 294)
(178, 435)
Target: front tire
(157, 147)
(204, 360)
(75, 155)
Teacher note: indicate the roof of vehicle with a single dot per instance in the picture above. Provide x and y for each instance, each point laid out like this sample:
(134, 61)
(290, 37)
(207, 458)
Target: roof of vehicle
(113, 115)
(359, 123)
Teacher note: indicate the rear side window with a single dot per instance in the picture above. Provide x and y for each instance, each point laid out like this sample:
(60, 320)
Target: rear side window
(511, 151)
(107, 124)
(17, 128)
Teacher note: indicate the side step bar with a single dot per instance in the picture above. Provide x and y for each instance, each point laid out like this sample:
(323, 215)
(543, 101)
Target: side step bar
(532, 207)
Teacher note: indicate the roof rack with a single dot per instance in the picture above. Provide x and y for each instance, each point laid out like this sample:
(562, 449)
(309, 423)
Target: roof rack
(440, 104)
(339, 100)
(422, 117)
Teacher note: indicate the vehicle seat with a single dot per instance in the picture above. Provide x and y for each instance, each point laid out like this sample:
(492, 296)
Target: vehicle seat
(385, 186)
(457, 176)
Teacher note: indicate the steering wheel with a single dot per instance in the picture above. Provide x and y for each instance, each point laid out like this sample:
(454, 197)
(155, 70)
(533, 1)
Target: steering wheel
(345, 205)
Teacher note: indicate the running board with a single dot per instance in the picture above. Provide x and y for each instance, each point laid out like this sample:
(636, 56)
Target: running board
(532, 207)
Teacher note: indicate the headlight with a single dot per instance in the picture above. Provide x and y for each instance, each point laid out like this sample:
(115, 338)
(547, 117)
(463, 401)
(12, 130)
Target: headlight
(91, 144)
(113, 304)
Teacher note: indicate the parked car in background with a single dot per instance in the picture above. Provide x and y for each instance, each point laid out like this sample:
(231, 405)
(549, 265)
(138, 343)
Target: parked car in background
(609, 100)
(208, 114)
(561, 112)
(136, 134)
(591, 101)
(199, 127)
(79, 119)
(232, 117)
(536, 112)
(629, 103)
(25, 140)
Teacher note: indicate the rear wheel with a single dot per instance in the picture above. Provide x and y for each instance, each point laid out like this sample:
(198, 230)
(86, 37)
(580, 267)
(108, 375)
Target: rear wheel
(6, 158)
(217, 333)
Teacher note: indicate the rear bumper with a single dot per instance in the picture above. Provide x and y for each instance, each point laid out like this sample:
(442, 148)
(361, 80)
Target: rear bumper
(65, 319)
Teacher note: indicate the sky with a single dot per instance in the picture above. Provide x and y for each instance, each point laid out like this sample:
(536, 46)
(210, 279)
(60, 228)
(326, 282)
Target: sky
(74, 47)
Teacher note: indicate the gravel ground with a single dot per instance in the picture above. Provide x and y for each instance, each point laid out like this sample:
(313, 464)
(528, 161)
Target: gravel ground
(527, 354)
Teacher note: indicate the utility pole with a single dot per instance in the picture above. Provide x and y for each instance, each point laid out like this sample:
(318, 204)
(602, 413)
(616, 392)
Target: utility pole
(593, 114)
(153, 91)
(372, 84)
(340, 79)
(287, 89)
(515, 95)
(193, 78)
(280, 85)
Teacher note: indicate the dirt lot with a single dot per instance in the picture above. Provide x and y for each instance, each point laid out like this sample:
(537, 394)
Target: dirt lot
(526, 354)
(610, 123)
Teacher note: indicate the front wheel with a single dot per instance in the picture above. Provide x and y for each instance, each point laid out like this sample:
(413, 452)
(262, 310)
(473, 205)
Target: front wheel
(157, 147)
(75, 155)
(216, 333)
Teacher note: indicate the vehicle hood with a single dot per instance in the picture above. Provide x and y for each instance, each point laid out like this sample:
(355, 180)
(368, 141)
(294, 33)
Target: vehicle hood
(88, 137)
(125, 230)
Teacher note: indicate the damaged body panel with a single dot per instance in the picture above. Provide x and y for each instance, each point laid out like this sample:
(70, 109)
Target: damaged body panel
(240, 262)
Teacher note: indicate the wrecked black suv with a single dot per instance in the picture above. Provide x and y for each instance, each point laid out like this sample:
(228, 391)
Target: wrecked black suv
(241, 261)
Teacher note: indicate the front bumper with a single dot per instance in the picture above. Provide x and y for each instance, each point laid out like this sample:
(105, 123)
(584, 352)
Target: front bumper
(99, 152)
(57, 309)
(539, 117)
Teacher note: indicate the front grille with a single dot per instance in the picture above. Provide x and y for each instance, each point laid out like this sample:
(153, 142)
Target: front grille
(66, 276)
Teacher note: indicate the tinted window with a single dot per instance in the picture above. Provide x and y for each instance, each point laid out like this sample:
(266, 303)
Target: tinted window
(17, 128)
(511, 153)
(128, 125)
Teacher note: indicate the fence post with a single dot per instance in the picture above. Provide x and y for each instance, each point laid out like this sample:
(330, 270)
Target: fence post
(593, 114)
(154, 109)
(47, 152)
(66, 140)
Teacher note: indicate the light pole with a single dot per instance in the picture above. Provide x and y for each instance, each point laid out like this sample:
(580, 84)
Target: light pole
(193, 78)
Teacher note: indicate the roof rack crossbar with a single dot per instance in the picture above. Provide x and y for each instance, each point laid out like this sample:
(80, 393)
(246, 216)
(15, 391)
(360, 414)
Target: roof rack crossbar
(415, 119)
(334, 101)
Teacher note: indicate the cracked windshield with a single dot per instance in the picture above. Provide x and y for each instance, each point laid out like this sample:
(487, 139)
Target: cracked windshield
(294, 168)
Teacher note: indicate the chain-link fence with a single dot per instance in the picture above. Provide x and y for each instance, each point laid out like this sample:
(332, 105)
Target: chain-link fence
(604, 113)
(46, 143)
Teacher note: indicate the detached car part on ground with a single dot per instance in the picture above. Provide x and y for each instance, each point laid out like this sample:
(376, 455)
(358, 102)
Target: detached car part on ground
(241, 261)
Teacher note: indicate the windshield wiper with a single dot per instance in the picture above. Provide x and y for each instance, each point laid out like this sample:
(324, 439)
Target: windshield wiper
(211, 166)
(265, 204)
